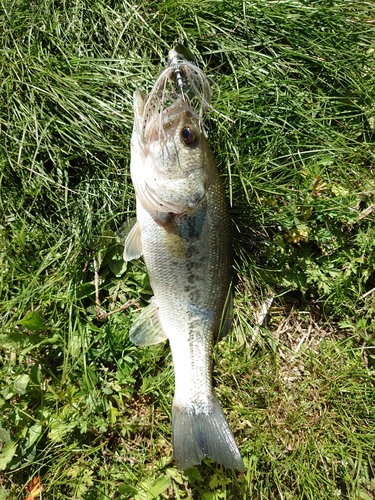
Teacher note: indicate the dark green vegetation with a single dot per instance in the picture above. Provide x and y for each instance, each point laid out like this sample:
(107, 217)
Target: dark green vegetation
(82, 408)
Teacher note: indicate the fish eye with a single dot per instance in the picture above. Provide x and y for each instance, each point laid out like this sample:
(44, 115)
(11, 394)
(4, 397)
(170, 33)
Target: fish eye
(188, 135)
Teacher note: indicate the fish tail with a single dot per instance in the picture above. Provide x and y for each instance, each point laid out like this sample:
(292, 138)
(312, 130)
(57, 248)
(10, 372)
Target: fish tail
(199, 434)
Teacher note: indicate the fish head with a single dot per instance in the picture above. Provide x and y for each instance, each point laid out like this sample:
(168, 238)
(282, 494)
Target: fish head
(169, 156)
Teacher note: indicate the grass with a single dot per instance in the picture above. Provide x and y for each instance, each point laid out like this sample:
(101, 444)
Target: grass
(82, 409)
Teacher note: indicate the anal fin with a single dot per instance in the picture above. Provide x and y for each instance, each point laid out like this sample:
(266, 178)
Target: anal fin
(146, 329)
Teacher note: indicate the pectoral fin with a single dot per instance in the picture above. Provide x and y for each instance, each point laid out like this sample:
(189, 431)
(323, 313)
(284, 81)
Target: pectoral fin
(147, 329)
(133, 245)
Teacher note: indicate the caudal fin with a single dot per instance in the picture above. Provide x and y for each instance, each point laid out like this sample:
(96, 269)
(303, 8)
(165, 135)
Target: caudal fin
(197, 435)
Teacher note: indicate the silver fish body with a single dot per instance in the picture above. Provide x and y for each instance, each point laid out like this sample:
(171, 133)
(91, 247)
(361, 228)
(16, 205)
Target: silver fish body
(183, 231)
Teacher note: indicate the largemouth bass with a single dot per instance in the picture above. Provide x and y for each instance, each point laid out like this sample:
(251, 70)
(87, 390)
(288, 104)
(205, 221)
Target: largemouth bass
(183, 232)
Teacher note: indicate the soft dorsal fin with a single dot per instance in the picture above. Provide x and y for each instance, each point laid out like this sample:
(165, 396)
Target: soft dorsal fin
(146, 329)
(227, 315)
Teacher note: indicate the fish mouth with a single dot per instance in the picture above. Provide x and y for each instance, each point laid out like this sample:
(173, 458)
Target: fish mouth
(172, 182)
(182, 87)
(163, 126)
(168, 129)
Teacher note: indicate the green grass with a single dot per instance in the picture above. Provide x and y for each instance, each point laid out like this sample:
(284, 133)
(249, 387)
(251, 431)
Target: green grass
(80, 406)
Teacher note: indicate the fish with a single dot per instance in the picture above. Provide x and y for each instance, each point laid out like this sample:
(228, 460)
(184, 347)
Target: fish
(183, 232)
